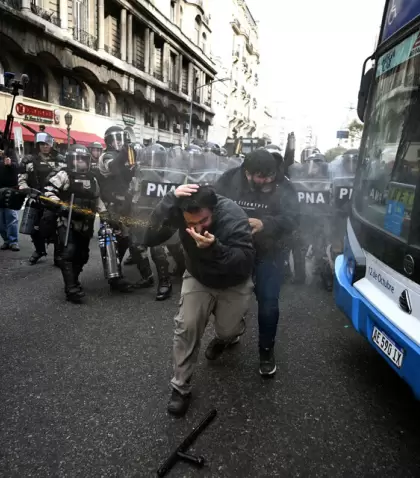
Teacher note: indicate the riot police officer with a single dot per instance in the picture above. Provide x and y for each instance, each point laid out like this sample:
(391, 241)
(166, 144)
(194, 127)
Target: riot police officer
(150, 172)
(35, 170)
(75, 186)
(312, 182)
(96, 151)
(116, 171)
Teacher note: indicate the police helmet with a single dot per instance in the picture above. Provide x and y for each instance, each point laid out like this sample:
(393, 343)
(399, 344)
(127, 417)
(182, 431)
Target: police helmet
(116, 138)
(95, 144)
(42, 137)
(316, 158)
(78, 158)
(308, 152)
(193, 148)
(349, 160)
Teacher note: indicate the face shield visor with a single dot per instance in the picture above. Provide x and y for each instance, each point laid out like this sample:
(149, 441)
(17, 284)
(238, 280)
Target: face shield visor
(78, 162)
(117, 140)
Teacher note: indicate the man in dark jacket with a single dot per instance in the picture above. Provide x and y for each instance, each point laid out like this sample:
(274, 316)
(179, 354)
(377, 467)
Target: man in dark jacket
(217, 241)
(9, 217)
(273, 210)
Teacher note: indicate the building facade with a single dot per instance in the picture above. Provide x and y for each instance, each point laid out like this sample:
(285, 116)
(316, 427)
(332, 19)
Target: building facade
(136, 64)
(235, 46)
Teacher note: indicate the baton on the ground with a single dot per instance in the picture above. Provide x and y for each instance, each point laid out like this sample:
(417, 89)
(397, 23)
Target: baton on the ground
(180, 452)
(69, 220)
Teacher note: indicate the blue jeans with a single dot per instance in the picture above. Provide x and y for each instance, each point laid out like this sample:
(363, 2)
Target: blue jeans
(268, 275)
(9, 220)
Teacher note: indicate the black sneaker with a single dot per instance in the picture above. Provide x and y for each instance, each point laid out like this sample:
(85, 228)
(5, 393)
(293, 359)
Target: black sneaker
(267, 362)
(4, 247)
(15, 248)
(178, 404)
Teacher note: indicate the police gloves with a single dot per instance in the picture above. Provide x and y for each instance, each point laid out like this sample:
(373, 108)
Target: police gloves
(11, 199)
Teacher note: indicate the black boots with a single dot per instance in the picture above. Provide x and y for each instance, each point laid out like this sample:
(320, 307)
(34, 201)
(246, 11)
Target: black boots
(36, 256)
(120, 285)
(146, 274)
(164, 290)
(72, 287)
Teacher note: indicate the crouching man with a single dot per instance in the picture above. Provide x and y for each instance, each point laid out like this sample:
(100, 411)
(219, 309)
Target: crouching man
(219, 255)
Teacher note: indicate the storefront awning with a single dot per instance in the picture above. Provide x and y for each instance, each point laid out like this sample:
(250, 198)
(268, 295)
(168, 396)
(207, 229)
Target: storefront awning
(27, 136)
(85, 138)
(57, 134)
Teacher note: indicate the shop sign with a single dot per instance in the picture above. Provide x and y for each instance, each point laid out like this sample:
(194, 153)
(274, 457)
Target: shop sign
(128, 119)
(38, 115)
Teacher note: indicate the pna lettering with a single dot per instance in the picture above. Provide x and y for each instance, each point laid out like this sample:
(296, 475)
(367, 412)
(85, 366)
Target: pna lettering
(311, 198)
(159, 190)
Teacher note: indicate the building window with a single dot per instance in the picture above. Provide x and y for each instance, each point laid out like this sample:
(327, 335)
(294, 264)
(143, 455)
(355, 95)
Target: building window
(73, 94)
(37, 88)
(149, 117)
(163, 122)
(102, 105)
(173, 11)
(204, 42)
(197, 29)
(80, 16)
(127, 108)
(181, 14)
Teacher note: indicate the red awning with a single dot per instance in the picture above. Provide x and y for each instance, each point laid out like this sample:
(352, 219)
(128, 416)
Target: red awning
(57, 134)
(85, 138)
(27, 136)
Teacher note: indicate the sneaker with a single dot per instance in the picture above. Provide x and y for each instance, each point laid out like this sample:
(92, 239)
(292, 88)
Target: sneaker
(4, 247)
(15, 248)
(267, 362)
(178, 404)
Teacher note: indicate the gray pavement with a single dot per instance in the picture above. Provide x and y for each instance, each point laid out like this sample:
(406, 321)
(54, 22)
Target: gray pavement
(83, 389)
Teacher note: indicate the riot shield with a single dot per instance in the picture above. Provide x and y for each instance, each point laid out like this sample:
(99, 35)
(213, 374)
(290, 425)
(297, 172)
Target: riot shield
(203, 167)
(342, 178)
(157, 173)
(313, 187)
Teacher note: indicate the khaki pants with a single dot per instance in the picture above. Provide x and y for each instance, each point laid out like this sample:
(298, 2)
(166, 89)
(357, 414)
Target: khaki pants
(196, 305)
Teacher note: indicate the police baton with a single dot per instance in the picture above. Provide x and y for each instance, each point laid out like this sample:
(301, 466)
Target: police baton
(69, 220)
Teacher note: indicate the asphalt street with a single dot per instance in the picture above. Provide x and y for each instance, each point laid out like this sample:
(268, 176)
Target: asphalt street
(84, 388)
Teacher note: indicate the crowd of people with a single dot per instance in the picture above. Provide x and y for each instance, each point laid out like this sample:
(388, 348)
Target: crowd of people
(234, 228)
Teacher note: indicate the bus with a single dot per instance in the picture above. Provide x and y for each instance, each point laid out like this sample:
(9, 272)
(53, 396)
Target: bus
(377, 278)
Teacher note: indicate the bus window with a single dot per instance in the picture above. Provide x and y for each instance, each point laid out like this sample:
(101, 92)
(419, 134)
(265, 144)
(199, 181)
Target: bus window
(390, 158)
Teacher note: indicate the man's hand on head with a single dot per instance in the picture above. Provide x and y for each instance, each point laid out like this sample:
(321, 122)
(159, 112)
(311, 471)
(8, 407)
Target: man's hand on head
(186, 190)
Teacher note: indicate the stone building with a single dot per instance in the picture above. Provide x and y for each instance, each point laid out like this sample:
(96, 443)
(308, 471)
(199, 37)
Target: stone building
(110, 62)
(235, 47)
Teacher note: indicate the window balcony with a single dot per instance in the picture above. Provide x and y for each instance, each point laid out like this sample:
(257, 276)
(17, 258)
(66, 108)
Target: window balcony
(158, 76)
(113, 51)
(46, 15)
(72, 101)
(174, 86)
(85, 38)
(15, 4)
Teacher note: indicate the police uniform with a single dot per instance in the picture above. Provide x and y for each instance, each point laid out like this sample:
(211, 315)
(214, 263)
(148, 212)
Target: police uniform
(35, 171)
(84, 188)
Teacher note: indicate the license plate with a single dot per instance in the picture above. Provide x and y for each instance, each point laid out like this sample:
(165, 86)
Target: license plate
(388, 347)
